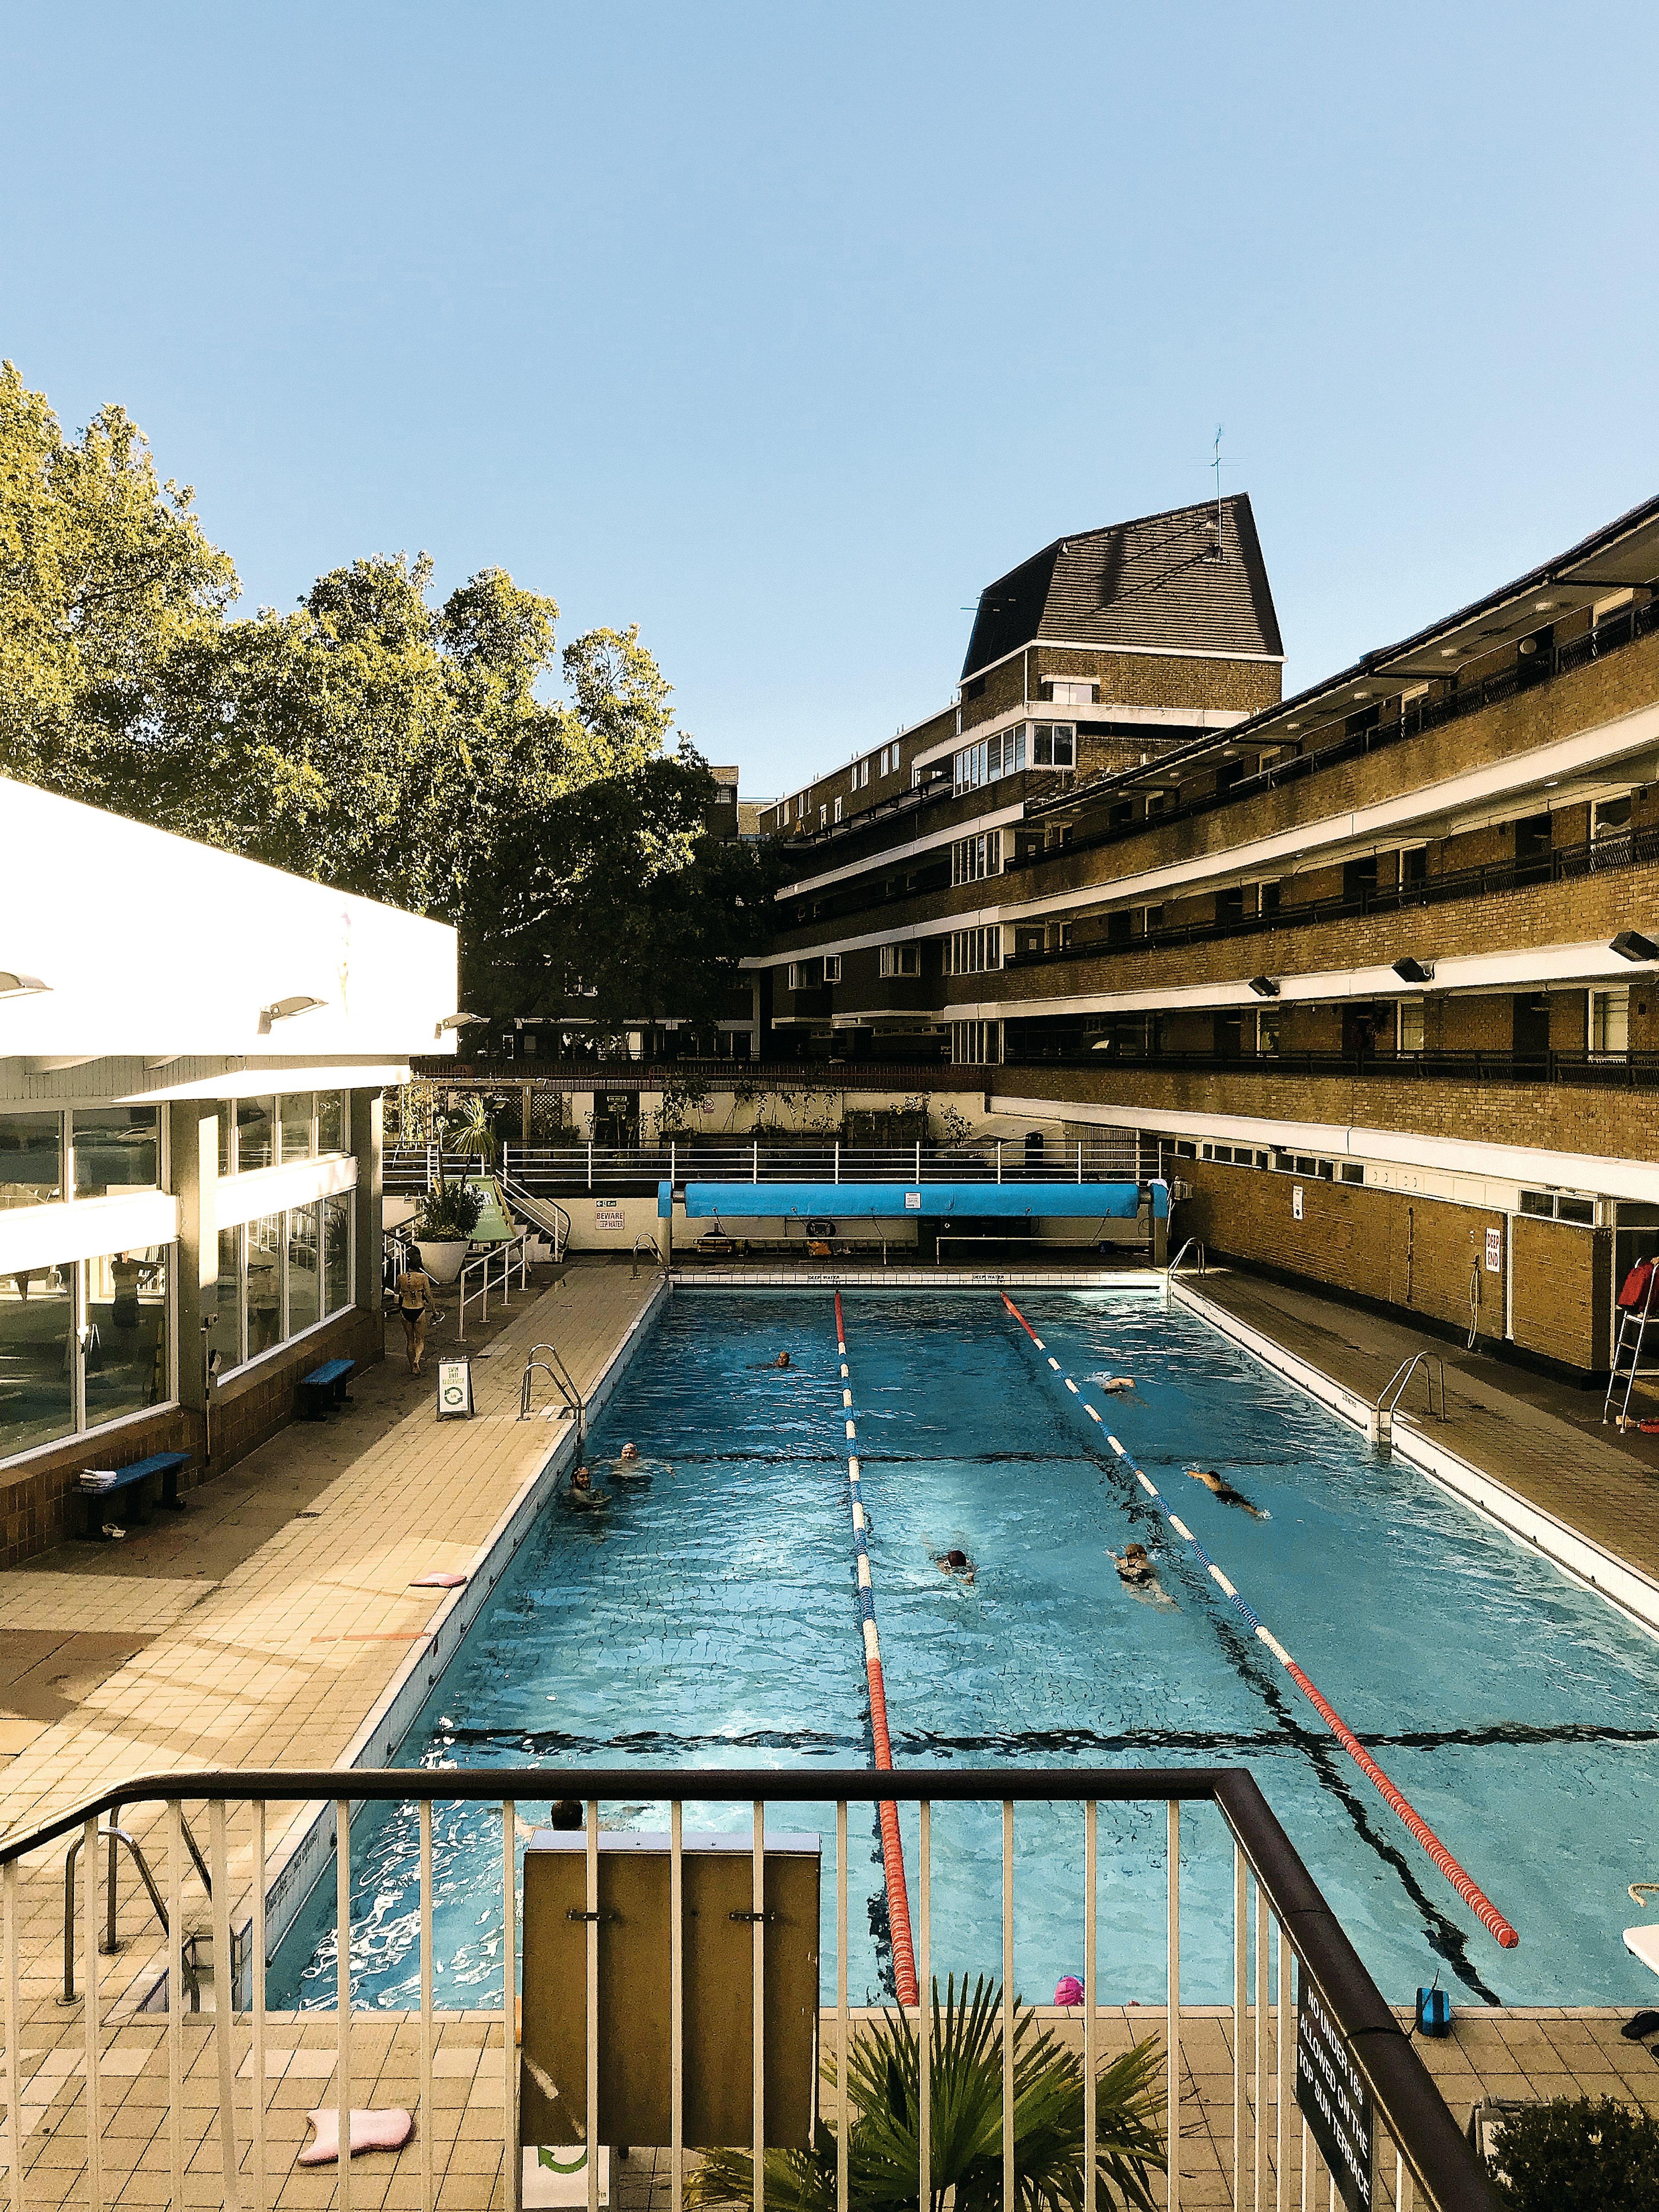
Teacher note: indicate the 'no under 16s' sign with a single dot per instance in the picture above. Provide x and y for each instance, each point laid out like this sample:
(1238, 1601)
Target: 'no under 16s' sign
(1333, 2098)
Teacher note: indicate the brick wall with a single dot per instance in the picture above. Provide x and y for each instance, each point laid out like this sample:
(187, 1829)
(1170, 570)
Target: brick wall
(1418, 1254)
(36, 1507)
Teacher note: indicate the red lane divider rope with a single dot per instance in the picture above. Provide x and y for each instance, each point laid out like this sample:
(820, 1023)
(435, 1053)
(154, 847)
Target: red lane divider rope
(892, 1849)
(1466, 1887)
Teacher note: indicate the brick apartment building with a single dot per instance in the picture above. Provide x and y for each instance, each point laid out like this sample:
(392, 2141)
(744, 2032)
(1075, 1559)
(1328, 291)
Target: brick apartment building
(1372, 970)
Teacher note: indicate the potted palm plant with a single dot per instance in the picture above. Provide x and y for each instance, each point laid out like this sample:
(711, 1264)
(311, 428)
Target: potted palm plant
(965, 2131)
(443, 1228)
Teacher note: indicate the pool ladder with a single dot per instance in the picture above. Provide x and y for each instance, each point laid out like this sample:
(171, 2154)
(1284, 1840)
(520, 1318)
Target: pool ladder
(1192, 1244)
(561, 1379)
(112, 1834)
(1388, 1399)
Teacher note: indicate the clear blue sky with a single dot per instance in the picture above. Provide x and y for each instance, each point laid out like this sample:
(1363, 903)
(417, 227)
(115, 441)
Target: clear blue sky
(783, 329)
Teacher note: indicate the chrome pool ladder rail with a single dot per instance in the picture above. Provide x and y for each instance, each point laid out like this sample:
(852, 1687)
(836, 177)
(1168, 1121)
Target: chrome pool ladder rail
(1389, 1397)
(1192, 1244)
(114, 1834)
(561, 1379)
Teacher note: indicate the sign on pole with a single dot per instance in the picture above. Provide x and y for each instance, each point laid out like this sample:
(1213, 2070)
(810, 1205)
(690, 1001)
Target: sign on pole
(1333, 2098)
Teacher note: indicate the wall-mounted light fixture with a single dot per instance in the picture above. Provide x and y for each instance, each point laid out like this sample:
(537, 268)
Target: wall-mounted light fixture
(15, 985)
(1631, 945)
(1264, 987)
(283, 1010)
(1414, 971)
(458, 1022)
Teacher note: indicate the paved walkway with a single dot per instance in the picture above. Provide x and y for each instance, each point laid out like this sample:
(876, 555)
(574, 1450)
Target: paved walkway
(1543, 1438)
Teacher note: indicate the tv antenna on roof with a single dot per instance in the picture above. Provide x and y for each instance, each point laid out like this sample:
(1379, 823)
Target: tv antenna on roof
(1215, 464)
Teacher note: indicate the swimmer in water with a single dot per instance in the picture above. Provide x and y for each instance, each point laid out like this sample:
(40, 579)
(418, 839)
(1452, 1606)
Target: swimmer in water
(782, 1359)
(1135, 1567)
(630, 1465)
(957, 1563)
(1219, 1486)
(1118, 1383)
(582, 1491)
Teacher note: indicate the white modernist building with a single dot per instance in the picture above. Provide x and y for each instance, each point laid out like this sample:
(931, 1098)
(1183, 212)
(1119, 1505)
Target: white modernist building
(192, 1053)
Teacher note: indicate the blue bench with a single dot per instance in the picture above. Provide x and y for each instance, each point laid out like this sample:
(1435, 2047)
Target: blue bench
(166, 1464)
(325, 1386)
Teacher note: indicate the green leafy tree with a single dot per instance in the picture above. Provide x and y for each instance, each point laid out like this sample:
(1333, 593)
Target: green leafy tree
(1578, 2154)
(104, 573)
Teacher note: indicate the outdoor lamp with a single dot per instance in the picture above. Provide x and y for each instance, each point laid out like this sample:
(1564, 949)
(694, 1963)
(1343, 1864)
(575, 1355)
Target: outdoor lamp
(1631, 945)
(1414, 971)
(14, 985)
(458, 1022)
(1264, 987)
(282, 1009)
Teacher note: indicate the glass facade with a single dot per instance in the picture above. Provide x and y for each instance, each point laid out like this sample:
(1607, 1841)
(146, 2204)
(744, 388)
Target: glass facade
(336, 1253)
(281, 1275)
(82, 1343)
(37, 1356)
(332, 1122)
(228, 1335)
(262, 1297)
(30, 1158)
(256, 1134)
(296, 1113)
(304, 1281)
(116, 1148)
(127, 1333)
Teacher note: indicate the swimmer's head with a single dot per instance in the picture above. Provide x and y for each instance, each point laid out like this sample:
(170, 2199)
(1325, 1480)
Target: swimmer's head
(630, 1451)
(567, 1812)
(956, 1560)
(782, 1359)
(1137, 1555)
(581, 1479)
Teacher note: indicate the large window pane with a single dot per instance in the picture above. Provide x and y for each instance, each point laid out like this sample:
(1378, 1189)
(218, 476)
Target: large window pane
(336, 1253)
(305, 1285)
(296, 1126)
(116, 1148)
(37, 1375)
(30, 1158)
(265, 1283)
(255, 1134)
(127, 1332)
(331, 1121)
(227, 1337)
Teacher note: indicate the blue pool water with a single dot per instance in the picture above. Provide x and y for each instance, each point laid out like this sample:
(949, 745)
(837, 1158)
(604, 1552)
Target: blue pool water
(707, 1620)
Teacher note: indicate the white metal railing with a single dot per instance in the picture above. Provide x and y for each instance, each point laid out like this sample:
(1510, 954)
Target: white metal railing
(498, 1259)
(1300, 1957)
(592, 1166)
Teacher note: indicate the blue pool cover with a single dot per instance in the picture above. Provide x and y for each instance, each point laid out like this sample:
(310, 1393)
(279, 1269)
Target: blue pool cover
(774, 1201)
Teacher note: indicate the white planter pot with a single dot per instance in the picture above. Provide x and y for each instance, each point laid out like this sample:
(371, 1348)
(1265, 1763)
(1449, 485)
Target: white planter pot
(443, 1262)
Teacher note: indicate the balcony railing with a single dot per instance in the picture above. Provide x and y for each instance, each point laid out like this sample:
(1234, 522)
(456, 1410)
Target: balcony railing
(1561, 864)
(1109, 1157)
(1299, 1993)
(1609, 635)
(1605, 1071)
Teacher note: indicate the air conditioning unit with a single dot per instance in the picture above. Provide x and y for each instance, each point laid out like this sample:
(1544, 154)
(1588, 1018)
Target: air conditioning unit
(1178, 1190)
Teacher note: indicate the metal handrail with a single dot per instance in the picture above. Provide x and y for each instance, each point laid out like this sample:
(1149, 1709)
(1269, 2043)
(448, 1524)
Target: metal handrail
(1388, 1398)
(517, 1194)
(563, 1380)
(1431, 2146)
(485, 1262)
(651, 1247)
(1192, 1244)
(110, 1945)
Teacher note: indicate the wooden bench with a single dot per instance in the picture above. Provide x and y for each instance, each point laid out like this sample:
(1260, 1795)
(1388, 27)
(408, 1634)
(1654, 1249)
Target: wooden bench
(166, 1464)
(325, 1388)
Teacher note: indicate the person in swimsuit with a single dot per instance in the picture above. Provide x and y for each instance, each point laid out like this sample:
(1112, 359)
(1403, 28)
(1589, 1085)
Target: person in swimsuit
(1116, 1384)
(417, 1305)
(1135, 1567)
(1219, 1486)
(582, 1493)
(782, 1359)
(956, 1562)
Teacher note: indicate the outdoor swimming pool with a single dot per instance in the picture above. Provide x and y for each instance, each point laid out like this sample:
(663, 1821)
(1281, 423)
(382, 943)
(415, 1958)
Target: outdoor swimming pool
(708, 1618)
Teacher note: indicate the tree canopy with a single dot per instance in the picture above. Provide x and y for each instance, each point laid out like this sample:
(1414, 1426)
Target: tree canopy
(447, 758)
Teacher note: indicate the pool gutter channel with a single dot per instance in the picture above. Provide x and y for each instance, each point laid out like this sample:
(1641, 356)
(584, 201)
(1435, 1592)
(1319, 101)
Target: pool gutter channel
(1632, 1594)
(301, 1861)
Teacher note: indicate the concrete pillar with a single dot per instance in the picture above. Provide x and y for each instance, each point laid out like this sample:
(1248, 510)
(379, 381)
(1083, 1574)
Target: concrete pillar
(368, 1149)
(193, 1145)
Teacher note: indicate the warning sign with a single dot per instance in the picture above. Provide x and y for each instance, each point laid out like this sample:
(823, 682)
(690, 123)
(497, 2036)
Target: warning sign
(1494, 1251)
(454, 1389)
(609, 1213)
(1333, 2098)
